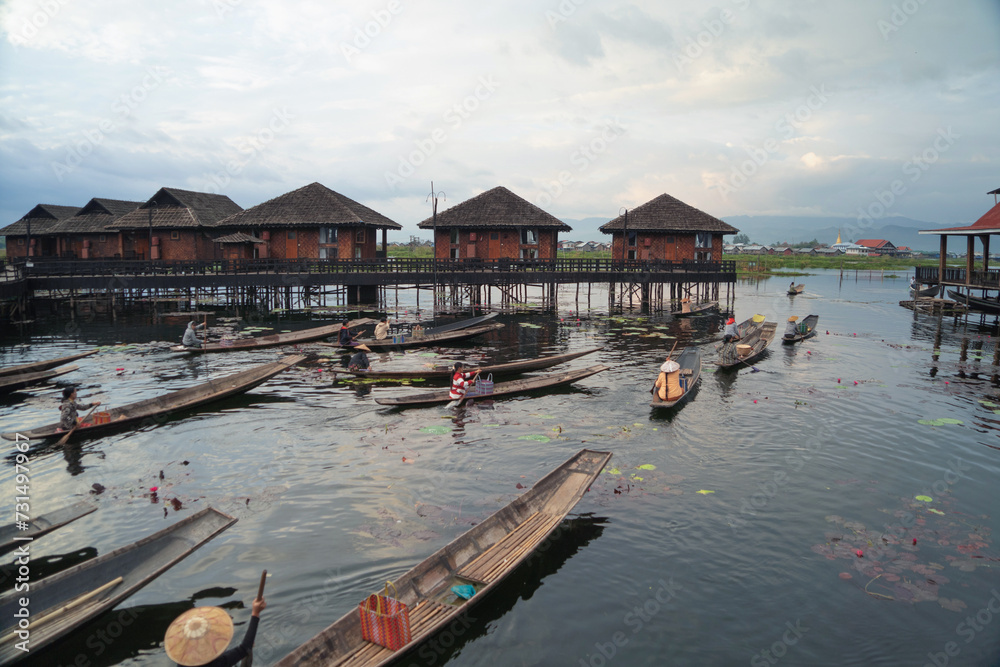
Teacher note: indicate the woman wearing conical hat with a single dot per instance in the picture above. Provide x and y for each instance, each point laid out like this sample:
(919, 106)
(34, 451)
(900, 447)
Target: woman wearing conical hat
(200, 636)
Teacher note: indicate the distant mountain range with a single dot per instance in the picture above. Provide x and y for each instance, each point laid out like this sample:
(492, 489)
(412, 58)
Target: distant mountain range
(771, 229)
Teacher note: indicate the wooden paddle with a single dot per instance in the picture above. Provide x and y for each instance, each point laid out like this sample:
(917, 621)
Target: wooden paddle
(62, 440)
(248, 661)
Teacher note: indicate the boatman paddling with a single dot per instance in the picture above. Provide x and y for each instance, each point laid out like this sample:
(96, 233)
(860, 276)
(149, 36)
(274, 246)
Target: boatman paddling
(190, 338)
(200, 636)
(460, 384)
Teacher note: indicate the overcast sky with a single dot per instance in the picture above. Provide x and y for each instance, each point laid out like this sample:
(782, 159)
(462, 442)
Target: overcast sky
(746, 107)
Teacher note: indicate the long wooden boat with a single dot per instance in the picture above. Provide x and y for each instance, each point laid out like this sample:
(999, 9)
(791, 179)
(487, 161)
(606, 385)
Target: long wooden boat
(275, 340)
(36, 366)
(405, 342)
(730, 356)
(175, 401)
(928, 292)
(690, 362)
(444, 373)
(482, 558)
(42, 525)
(9, 383)
(803, 330)
(701, 308)
(65, 601)
(975, 303)
(499, 389)
(461, 324)
(796, 289)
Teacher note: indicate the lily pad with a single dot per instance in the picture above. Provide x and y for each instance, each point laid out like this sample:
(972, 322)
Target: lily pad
(925, 499)
(949, 420)
(436, 430)
(646, 466)
(613, 471)
(538, 438)
(705, 492)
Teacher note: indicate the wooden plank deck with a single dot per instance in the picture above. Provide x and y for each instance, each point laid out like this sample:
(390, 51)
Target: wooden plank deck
(498, 559)
(423, 618)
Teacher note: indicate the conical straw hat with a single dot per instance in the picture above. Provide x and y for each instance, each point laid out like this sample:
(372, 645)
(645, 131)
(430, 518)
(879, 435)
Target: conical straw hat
(198, 636)
(793, 318)
(363, 347)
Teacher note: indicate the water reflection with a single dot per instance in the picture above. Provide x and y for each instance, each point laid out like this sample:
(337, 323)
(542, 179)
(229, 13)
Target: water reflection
(45, 566)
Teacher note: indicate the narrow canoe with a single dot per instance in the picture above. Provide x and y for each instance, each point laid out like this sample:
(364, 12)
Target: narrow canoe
(929, 291)
(43, 525)
(425, 340)
(796, 289)
(499, 389)
(444, 373)
(461, 324)
(690, 362)
(482, 558)
(65, 601)
(975, 303)
(702, 308)
(275, 340)
(758, 340)
(9, 383)
(43, 365)
(152, 410)
(803, 330)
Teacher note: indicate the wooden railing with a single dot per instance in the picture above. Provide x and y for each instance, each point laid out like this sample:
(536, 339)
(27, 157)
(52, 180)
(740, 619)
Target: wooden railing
(954, 276)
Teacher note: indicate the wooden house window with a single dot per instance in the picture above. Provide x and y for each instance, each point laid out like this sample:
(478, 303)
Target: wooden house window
(453, 253)
(20, 242)
(327, 234)
(175, 236)
(494, 236)
(702, 240)
(454, 236)
(632, 238)
(291, 235)
(529, 253)
(529, 237)
(670, 239)
(102, 238)
(360, 236)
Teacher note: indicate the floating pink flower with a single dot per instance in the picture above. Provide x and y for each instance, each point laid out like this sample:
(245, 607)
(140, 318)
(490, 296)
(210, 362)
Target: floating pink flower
(860, 553)
(153, 489)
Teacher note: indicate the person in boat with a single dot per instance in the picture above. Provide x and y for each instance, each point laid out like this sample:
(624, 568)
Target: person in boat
(791, 286)
(69, 407)
(359, 361)
(668, 384)
(382, 329)
(791, 329)
(346, 338)
(199, 637)
(190, 338)
(460, 381)
(732, 332)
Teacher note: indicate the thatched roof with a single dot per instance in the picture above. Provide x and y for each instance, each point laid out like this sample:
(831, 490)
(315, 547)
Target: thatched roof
(239, 237)
(95, 216)
(43, 218)
(666, 214)
(179, 209)
(311, 206)
(494, 209)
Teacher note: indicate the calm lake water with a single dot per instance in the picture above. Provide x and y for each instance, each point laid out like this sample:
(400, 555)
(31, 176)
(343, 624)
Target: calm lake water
(739, 547)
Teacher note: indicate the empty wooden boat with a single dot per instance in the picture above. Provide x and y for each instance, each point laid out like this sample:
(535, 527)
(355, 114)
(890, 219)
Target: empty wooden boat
(9, 383)
(147, 411)
(499, 389)
(481, 558)
(36, 366)
(399, 342)
(42, 525)
(64, 601)
(701, 308)
(926, 292)
(275, 340)
(689, 361)
(796, 289)
(444, 373)
(748, 348)
(797, 331)
(975, 303)
(461, 324)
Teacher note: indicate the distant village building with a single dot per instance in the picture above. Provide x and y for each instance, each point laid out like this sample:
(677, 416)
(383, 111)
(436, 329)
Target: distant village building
(496, 224)
(666, 228)
(32, 235)
(312, 222)
(876, 247)
(173, 225)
